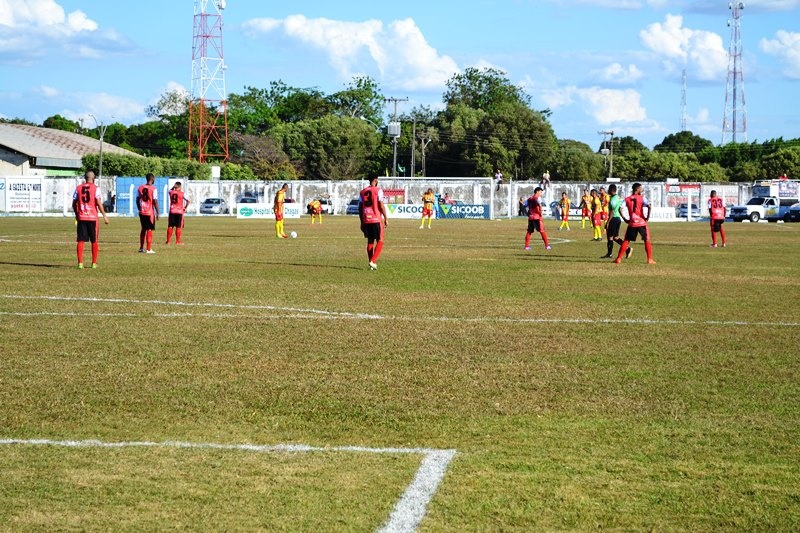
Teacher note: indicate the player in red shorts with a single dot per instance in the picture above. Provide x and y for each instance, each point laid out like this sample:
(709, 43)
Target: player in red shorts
(637, 223)
(597, 216)
(147, 203)
(716, 209)
(86, 203)
(372, 214)
(586, 208)
(177, 207)
(604, 199)
(535, 221)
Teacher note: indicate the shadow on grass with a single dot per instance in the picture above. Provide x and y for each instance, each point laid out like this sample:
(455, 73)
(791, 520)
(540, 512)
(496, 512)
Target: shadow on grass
(40, 265)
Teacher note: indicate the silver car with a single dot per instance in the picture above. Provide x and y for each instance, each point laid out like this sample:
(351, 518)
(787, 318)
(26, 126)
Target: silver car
(214, 206)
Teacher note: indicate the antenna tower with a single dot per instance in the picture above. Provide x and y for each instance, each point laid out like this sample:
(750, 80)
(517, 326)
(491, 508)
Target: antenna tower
(683, 101)
(208, 109)
(735, 120)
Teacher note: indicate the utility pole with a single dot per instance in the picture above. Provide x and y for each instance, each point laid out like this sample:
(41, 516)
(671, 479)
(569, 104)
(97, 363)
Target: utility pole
(608, 140)
(394, 130)
(424, 141)
(413, 146)
(101, 128)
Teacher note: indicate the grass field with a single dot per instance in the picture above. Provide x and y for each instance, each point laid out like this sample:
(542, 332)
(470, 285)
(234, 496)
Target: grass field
(577, 394)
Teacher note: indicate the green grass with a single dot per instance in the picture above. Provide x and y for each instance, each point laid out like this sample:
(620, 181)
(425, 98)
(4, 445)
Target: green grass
(566, 413)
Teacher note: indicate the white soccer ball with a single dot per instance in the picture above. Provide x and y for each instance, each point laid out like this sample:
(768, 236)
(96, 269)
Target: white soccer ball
(293, 235)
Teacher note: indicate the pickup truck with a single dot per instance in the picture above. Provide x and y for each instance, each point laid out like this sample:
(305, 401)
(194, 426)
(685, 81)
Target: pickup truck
(760, 207)
(771, 201)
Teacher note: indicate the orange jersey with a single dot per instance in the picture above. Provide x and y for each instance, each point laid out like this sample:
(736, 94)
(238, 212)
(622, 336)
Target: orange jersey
(427, 200)
(563, 205)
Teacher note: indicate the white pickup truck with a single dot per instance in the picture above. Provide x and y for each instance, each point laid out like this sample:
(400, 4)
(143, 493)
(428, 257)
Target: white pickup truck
(771, 201)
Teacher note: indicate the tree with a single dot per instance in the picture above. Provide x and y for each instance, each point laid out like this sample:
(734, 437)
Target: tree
(361, 98)
(252, 112)
(57, 122)
(170, 104)
(683, 142)
(330, 147)
(485, 89)
(575, 161)
(263, 156)
(627, 145)
(785, 160)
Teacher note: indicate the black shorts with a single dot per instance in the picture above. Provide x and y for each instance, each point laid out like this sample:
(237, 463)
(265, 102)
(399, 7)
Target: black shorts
(87, 231)
(373, 232)
(147, 222)
(175, 220)
(716, 225)
(614, 225)
(632, 232)
(534, 225)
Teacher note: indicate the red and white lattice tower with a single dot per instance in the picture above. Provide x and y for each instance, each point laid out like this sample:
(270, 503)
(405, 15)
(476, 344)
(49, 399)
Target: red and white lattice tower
(734, 124)
(208, 109)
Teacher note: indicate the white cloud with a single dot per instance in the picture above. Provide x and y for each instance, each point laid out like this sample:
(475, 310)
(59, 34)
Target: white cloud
(43, 14)
(108, 108)
(611, 106)
(606, 106)
(702, 52)
(561, 97)
(617, 74)
(398, 51)
(31, 29)
(48, 92)
(786, 46)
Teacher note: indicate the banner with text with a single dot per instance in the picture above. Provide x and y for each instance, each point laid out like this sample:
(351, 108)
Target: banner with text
(23, 195)
(463, 211)
(266, 211)
(405, 211)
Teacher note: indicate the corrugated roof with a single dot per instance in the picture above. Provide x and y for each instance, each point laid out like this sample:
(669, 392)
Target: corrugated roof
(50, 144)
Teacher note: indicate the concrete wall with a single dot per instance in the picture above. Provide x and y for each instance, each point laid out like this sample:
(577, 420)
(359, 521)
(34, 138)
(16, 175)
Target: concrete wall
(57, 192)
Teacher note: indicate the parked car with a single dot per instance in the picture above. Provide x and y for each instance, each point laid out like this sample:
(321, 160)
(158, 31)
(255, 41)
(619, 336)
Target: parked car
(326, 203)
(247, 200)
(214, 206)
(793, 215)
(682, 211)
(352, 207)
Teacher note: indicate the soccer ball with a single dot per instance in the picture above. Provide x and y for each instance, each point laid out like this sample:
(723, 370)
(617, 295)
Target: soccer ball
(293, 235)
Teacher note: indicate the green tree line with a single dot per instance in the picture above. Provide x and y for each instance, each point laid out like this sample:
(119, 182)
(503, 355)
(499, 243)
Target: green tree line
(486, 124)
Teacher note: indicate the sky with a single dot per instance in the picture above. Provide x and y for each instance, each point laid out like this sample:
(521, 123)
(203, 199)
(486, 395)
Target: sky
(598, 65)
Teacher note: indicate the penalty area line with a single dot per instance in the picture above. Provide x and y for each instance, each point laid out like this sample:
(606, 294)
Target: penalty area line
(406, 515)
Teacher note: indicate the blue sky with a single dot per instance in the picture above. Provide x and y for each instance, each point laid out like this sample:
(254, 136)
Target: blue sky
(597, 64)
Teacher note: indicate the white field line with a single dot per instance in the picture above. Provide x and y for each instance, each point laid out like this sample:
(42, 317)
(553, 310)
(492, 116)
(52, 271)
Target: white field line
(191, 304)
(317, 314)
(406, 516)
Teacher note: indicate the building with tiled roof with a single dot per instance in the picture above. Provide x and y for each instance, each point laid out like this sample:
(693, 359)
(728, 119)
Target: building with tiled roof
(32, 150)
